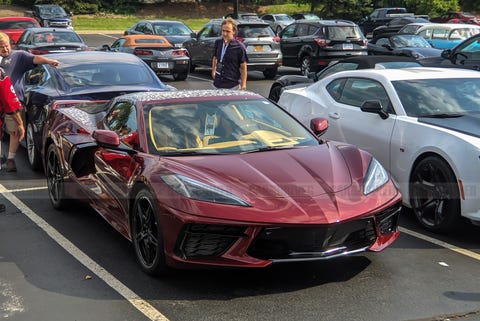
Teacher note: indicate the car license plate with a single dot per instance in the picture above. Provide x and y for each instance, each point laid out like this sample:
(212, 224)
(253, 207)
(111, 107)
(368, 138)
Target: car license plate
(160, 65)
(347, 46)
(257, 48)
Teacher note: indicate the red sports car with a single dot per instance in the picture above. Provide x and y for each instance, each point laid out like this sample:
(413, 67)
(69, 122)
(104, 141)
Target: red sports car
(15, 26)
(217, 178)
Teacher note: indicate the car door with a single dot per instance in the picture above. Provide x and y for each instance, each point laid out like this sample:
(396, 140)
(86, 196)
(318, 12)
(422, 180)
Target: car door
(348, 123)
(115, 168)
(467, 55)
(290, 44)
(201, 48)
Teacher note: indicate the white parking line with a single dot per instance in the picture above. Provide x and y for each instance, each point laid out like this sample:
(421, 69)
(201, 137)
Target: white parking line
(446, 245)
(140, 304)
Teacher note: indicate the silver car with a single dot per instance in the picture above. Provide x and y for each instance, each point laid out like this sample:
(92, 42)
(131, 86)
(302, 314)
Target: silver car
(277, 21)
(263, 46)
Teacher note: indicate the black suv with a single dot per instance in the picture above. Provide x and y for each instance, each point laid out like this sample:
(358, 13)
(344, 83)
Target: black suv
(263, 48)
(311, 45)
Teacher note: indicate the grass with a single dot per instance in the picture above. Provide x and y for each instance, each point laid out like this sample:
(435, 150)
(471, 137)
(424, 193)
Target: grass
(119, 22)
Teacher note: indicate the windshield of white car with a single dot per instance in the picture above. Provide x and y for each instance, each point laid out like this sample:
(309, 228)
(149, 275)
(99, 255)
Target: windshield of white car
(426, 97)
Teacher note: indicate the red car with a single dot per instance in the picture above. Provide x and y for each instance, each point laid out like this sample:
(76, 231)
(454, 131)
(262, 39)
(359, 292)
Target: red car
(15, 26)
(217, 178)
(457, 17)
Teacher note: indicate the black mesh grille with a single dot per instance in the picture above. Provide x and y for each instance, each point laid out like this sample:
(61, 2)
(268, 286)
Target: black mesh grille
(387, 220)
(313, 242)
(202, 240)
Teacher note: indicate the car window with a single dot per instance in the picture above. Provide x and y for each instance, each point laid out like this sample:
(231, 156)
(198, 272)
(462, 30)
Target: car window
(439, 34)
(254, 31)
(341, 66)
(302, 30)
(358, 90)
(122, 119)
(472, 48)
(205, 32)
(289, 31)
(383, 41)
(36, 76)
(342, 32)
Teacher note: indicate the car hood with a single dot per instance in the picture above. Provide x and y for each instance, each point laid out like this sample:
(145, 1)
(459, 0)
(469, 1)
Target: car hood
(426, 52)
(468, 124)
(299, 172)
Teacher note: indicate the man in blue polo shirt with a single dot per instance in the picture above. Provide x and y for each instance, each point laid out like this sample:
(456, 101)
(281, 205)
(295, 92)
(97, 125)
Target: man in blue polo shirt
(229, 63)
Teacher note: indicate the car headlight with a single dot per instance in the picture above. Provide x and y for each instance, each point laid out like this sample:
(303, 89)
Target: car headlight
(375, 178)
(196, 190)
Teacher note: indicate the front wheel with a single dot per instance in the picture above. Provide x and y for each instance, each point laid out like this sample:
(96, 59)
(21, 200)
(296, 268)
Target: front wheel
(435, 195)
(32, 150)
(147, 234)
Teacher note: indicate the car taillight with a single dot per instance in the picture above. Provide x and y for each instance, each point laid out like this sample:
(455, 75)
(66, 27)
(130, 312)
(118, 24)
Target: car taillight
(240, 39)
(38, 52)
(321, 42)
(276, 39)
(180, 52)
(142, 52)
(364, 42)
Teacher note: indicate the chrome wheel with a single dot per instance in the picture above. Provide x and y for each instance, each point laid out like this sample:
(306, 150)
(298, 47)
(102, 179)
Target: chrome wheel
(33, 155)
(434, 195)
(305, 66)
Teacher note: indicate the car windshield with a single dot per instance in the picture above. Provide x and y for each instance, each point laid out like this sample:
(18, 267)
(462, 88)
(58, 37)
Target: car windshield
(171, 29)
(255, 31)
(222, 127)
(53, 11)
(409, 41)
(56, 37)
(105, 74)
(17, 25)
(343, 32)
(284, 18)
(432, 97)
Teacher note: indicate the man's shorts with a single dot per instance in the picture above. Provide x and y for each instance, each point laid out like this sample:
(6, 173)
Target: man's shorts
(10, 123)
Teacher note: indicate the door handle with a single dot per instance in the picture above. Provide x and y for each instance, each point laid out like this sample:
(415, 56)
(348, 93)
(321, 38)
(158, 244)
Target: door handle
(334, 115)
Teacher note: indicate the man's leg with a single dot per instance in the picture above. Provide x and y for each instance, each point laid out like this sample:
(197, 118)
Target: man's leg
(13, 145)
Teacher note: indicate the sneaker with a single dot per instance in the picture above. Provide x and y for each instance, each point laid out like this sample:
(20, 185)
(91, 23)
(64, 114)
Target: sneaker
(11, 167)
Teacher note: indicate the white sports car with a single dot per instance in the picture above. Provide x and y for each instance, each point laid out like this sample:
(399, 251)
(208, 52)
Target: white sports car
(422, 124)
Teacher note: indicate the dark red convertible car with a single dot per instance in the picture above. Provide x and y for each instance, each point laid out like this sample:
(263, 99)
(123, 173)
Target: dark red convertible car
(217, 178)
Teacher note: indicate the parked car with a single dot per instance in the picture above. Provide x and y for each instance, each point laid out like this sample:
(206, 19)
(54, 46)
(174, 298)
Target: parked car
(242, 16)
(15, 26)
(306, 16)
(447, 35)
(176, 32)
(353, 63)
(277, 21)
(218, 178)
(262, 45)
(457, 15)
(51, 16)
(396, 24)
(156, 51)
(420, 123)
(412, 28)
(402, 45)
(41, 41)
(311, 45)
(466, 54)
(92, 75)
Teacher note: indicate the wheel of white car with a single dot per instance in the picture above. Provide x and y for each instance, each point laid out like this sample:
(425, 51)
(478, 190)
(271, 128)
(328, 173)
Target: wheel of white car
(147, 236)
(435, 195)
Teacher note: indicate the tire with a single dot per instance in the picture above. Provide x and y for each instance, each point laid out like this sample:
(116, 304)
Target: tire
(270, 73)
(33, 153)
(434, 195)
(147, 236)
(55, 180)
(306, 65)
(180, 75)
(275, 93)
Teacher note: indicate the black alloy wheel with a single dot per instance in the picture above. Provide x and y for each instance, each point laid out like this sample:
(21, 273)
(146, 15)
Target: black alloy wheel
(306, 65)
(147, 236)
(435, 195)
(55, 181)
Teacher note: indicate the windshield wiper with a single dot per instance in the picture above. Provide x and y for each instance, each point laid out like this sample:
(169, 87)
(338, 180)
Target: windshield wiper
(268, 148)
(444, 115)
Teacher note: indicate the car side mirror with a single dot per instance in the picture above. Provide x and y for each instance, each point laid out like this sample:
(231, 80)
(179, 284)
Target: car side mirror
(319, 126)
(193, 35)
(375, 107)
(387, 46)
(447, 54)
(106, 138)
(105, 48)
